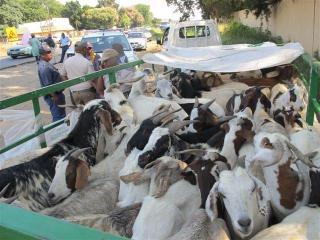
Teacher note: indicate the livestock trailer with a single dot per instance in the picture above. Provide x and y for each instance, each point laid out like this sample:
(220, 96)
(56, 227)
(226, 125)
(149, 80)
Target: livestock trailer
(16, 223)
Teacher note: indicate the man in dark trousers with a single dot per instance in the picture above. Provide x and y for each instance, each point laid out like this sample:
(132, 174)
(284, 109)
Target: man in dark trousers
(65, 43)
(49, 75)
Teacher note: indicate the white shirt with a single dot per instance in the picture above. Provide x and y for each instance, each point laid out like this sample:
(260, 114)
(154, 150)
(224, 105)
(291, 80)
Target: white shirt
(77, 66)
(124, 74)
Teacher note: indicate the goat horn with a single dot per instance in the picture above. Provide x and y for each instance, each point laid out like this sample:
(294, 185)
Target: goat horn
(183, 166)
(225, 119)
(305, 159)
(4, 190)
(163, 108)
(157, 119)
(10, 200)
(76, 153)
(175, 126)
(207, 105)
(170, 119)
(194, 151)
(80, 106)
(196, 102)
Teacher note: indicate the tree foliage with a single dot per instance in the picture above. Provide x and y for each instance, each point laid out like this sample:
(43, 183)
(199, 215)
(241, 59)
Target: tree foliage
(222, 8)
(145, 12)
(105, 17)
(124, 21)
(135, 16)
(107, 3)
(73, 11)
(10, 13)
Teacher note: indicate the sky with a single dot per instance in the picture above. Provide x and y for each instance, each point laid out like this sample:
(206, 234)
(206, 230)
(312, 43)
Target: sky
(159, 8)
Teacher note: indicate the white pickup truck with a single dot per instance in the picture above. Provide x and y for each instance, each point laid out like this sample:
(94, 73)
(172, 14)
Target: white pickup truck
(199, 33)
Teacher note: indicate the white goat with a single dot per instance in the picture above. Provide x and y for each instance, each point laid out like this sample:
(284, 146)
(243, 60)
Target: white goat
(171, 200)
(286, 178)
(247, 204)
(302, 224)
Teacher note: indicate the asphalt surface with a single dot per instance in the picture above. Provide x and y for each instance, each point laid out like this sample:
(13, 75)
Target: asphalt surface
(7, 62)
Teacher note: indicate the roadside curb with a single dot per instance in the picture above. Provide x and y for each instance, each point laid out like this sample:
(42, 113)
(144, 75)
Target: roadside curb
(14, 65)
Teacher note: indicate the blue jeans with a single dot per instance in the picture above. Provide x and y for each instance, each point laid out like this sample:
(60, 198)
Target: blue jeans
(56, 112)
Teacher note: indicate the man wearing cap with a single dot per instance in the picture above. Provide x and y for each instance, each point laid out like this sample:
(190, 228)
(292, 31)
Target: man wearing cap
(78, 66)
(110, 58)
(122, 58)
(49, 75)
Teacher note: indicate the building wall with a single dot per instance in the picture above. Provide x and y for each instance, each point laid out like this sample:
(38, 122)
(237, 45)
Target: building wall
(293, 20)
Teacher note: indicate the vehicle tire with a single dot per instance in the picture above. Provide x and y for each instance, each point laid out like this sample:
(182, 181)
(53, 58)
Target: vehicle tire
(14, 57)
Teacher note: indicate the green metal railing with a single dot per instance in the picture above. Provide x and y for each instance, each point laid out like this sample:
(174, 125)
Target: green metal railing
(20, 224)
(309, 70)
(36, 94)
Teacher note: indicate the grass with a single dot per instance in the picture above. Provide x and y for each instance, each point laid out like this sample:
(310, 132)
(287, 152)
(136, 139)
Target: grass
(237, 33)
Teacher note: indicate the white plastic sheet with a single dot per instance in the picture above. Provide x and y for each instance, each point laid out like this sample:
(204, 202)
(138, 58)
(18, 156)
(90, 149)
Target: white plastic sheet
(15, 124)
(227, 58)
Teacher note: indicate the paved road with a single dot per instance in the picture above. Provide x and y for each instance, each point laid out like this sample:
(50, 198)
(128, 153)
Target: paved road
(6, 62)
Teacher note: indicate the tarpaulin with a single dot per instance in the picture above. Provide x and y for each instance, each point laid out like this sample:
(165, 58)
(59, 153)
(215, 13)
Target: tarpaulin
(227, 58)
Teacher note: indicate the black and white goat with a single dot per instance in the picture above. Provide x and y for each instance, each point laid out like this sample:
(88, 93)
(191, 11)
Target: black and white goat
(30, 181)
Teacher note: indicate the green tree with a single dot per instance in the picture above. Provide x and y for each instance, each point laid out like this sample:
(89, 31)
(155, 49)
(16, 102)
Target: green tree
(107, 3)
(100, 18)
(135, 16)
(145, 12)
(39, 10)
(73, 11)
(10, 13)
(124, 21)
(223, 8)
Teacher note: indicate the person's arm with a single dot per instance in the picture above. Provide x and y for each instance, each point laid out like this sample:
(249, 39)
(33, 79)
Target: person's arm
(63, 73)
(100, 86)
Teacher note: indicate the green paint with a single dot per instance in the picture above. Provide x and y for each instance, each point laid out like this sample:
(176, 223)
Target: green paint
(17, 223)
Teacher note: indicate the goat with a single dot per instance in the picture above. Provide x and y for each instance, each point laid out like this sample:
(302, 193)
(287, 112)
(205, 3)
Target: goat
(286, 178)
(99, 196)
(302, 224)
(171, 199)
(119, 221)
(247, 204)
(30, 181)
(199, 226)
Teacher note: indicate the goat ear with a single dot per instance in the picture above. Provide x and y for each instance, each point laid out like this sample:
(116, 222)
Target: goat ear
(106, 120)
(211, 202)
(263, 197)
(246, 134)
(225, 127)
(265, 143)
(83, 173)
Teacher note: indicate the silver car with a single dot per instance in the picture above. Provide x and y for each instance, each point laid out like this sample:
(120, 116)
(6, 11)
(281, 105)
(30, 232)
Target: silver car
(138, 40)
(103, 40)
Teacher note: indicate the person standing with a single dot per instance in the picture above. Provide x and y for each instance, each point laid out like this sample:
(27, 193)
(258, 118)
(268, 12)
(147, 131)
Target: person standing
(122, 58)
(65, 43)
(78, 66)
(49, 41)
(92, 56)
(49, 75)
(35, 45)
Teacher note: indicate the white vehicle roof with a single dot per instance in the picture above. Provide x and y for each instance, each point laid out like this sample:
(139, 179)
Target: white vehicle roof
(196, 33)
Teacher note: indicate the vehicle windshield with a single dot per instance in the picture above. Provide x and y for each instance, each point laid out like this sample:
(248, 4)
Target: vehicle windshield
(135, 35)
(103, 42)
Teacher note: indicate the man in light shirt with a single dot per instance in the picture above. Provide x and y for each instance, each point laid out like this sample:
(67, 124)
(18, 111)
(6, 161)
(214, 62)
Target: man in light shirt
(78, 66)
(65, 43)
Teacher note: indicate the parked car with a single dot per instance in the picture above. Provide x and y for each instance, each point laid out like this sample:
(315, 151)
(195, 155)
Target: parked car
(148, 35)
(201, 33)
(138, 40)
(103, 40)
(19, 51)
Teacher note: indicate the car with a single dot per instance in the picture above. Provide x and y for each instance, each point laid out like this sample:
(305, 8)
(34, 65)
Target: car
(19, 51)
(105, 39)
(148, 35)
(138, 40)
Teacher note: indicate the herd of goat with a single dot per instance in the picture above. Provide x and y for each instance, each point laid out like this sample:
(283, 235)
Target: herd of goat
(184, 156)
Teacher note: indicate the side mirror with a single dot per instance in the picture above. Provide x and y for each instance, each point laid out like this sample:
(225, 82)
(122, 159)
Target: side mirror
(159, 41)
